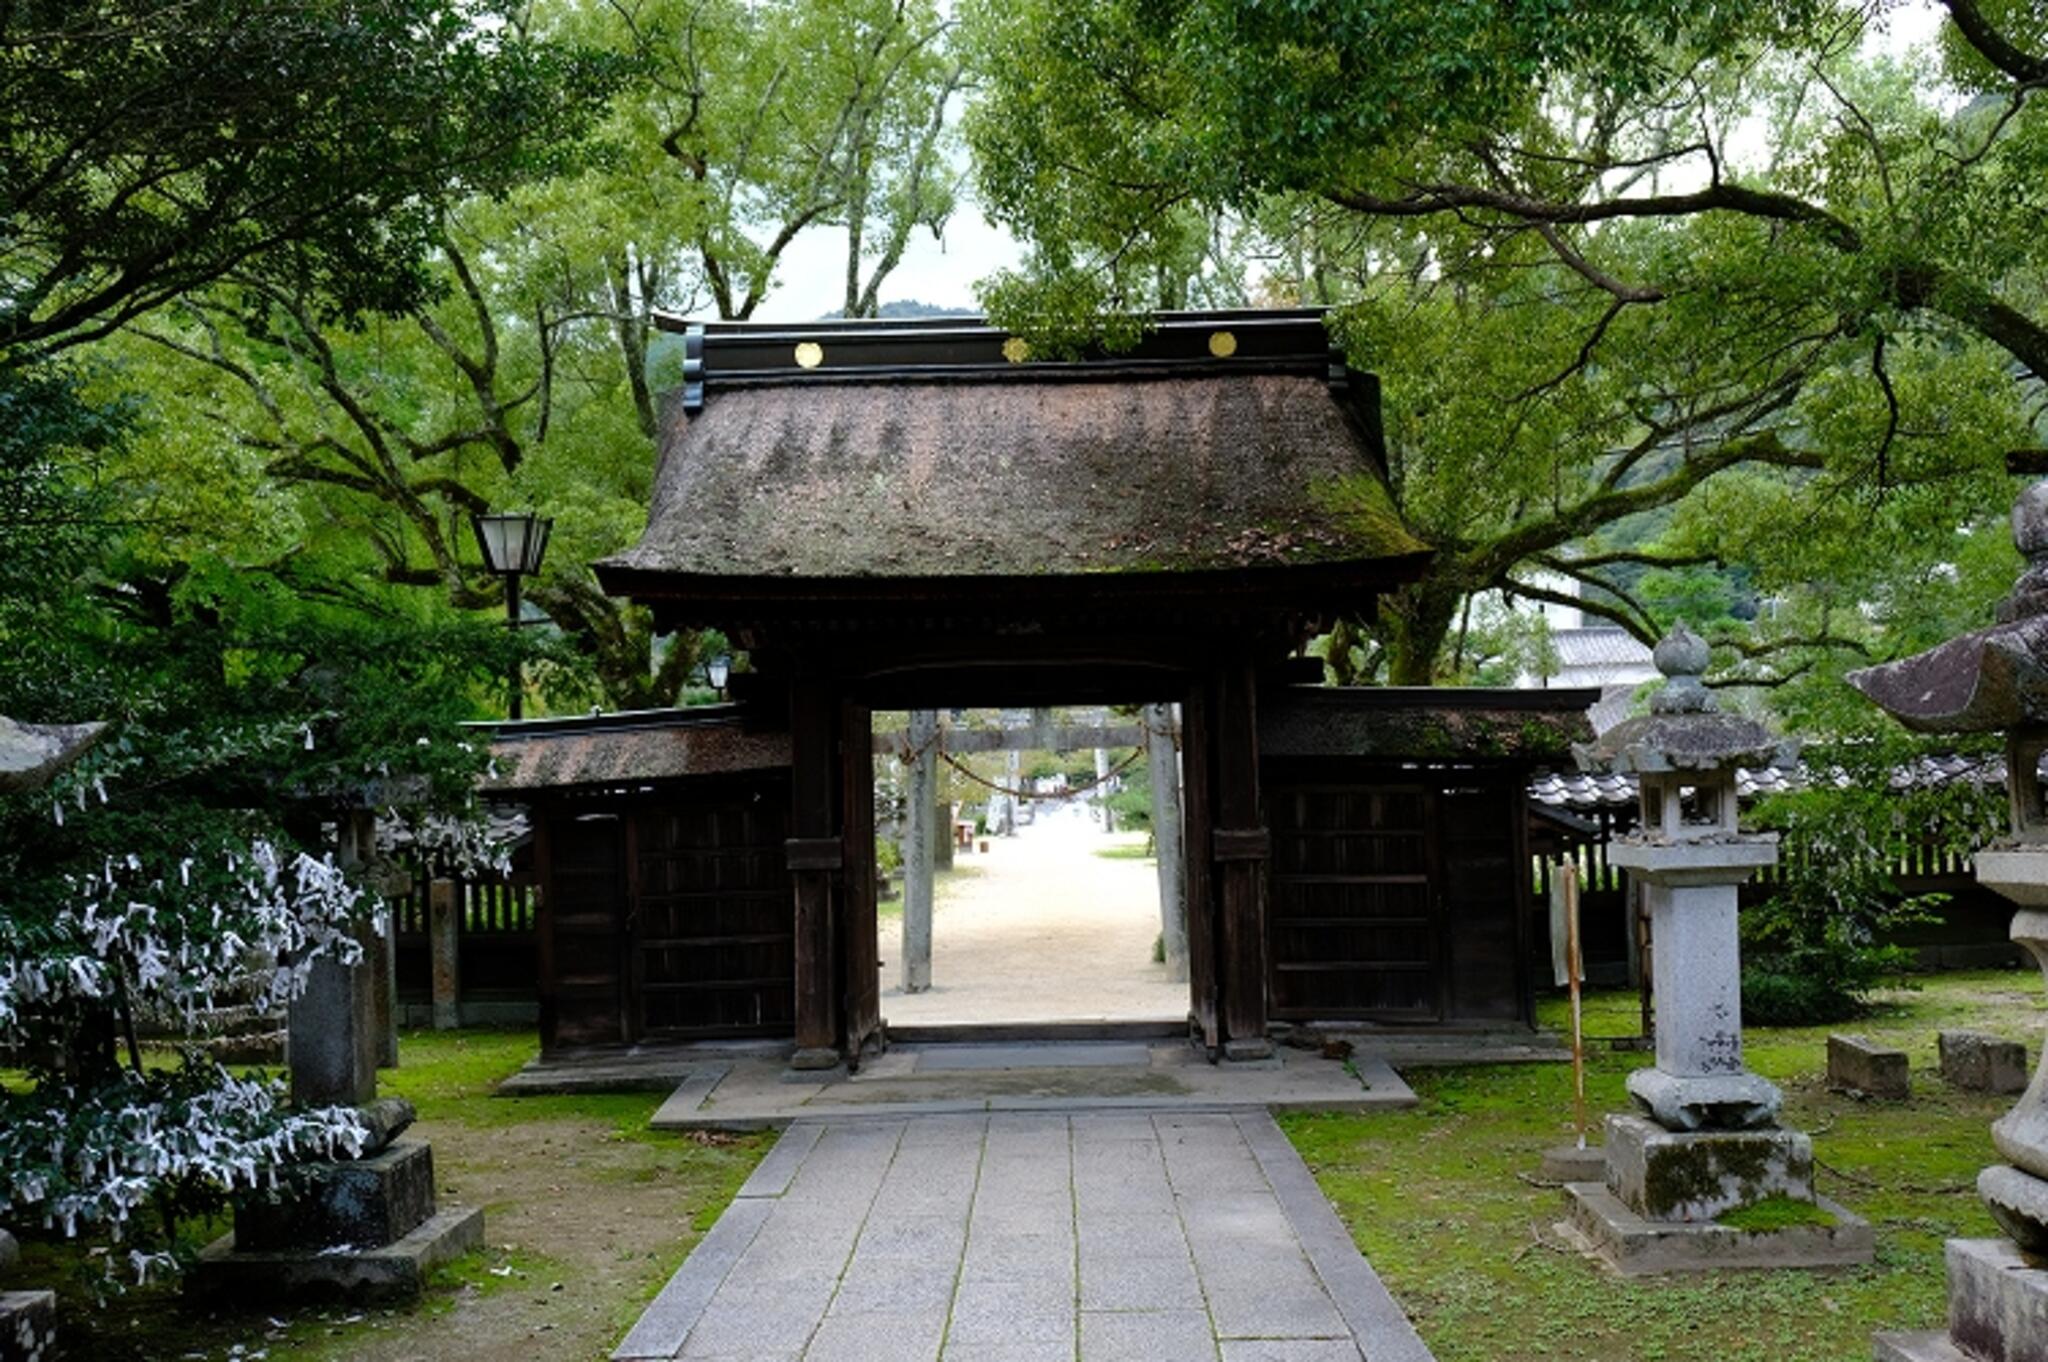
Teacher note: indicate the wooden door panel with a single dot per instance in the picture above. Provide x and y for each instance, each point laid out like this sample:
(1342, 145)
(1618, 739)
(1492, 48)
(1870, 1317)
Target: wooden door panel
(585, 910)
(712, 934)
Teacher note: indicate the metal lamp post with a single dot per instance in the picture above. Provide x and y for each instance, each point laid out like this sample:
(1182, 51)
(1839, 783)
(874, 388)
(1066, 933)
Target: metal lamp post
(513, 544)
(718, 671)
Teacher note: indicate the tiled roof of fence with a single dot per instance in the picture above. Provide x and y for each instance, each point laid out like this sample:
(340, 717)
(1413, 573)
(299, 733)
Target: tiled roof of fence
(1579, 790)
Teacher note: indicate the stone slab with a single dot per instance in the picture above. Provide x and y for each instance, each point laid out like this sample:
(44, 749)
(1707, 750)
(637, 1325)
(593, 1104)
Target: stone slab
(1689, 1176)
(1925, 1345)
(390, 1275)
(1010, 1236)
(1976, 1062)
(1997, 1301)
(28, 1326)
(1602, 1225)
(968, 1058)
(1570, 1163)
(363, 1203)
(1860, 1065)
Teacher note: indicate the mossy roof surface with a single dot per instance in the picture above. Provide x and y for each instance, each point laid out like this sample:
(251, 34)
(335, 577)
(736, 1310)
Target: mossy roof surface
(1019, 476)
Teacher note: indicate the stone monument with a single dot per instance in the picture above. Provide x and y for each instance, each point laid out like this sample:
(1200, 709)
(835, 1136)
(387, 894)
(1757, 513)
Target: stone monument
(1996, 680)
(359, 1230)
(1710, 1144)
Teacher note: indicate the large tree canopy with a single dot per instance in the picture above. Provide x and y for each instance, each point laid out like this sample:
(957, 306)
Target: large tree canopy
(148, 148)
(1652, 285)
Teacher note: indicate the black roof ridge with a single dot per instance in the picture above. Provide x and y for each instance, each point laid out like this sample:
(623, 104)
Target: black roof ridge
(965, 321)
(612, 721)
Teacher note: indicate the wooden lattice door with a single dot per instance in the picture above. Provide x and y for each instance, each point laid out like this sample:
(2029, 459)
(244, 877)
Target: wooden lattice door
(713, 945)
(1355, 920)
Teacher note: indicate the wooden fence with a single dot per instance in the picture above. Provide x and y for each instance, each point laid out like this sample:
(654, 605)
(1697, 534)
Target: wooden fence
(497, 951)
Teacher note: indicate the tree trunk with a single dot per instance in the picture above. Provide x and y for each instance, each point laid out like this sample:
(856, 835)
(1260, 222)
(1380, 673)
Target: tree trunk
(1415, 623)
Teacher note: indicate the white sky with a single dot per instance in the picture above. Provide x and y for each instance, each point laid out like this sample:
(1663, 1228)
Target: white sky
(810, 282)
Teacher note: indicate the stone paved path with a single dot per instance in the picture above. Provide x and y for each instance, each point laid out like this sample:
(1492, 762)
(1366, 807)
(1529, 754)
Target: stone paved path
(1021, 1237)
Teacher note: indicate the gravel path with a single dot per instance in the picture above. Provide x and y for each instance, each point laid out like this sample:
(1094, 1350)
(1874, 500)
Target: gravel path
(1037, 929)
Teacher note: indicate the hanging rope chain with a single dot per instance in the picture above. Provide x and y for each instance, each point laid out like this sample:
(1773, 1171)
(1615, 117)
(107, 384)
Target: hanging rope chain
(1069, 793)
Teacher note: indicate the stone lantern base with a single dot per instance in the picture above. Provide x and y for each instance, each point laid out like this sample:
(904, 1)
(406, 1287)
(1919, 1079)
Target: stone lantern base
(1661, 1205)
(360, 1231)
(1997, 1309)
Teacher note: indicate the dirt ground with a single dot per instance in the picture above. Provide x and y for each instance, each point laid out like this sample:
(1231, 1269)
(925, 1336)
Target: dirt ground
(1041, 928)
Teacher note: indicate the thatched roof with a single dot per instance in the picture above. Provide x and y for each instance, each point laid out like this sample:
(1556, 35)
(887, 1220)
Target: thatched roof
(881, 468)
(611, 750)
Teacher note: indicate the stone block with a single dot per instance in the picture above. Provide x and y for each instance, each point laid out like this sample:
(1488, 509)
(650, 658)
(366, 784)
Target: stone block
(1997, 1301)
(1697, 1175)
(1976, 1062)
(1858, 1064)
(364, 1204)
(1569, 1163)
(1920, 1345)
(28, 1326)
(10, 1252)
(1635, 1246)
(388, 1275)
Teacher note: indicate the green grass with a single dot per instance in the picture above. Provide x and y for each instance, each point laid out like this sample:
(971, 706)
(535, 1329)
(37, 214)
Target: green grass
(1775, 1213)
(1444, 1202)
(1130, 853)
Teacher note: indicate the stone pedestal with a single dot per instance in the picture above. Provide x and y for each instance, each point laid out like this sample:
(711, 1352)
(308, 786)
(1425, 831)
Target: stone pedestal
(1698, 1175)
(359, 1231)
(28, 1326)
(1658, 1208)
(1997, 1310)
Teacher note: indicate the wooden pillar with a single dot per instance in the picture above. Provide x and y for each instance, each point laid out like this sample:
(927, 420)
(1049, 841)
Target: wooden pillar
(444, 951)
(1199, 879)
(919, 861)
(1162, 761)
(859, 947)
(1240, 846)
(815, 856)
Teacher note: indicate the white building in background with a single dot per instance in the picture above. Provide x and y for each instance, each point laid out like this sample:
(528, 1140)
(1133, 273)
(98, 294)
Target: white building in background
(1587, 650)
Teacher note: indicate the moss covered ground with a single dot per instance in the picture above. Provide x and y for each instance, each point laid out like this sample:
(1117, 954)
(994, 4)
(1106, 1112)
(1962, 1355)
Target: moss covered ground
(1446, 1202)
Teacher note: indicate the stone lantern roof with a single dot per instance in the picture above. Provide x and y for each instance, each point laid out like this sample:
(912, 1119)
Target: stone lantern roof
(31, 755)
(1685, 729)
(1993, 679)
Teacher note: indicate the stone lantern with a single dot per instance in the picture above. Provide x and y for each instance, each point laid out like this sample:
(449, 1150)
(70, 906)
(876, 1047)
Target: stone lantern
(1996, 680)
(1709, 1144)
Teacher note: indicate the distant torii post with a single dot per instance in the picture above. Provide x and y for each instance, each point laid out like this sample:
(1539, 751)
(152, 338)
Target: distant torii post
(926, 742)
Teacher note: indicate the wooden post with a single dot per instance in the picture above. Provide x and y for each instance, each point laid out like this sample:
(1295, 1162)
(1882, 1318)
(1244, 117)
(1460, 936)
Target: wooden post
(444, 950)
(814, 855)
(1240, 846)
(918, 859)
(859, 946)
(1574, 967)
(1102, 790)
(1162, 761)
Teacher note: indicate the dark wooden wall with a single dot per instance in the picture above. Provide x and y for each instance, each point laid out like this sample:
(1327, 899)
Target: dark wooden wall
(1398, 892)
(666, 916)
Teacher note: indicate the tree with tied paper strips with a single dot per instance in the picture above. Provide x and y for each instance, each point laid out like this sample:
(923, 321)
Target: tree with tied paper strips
(185, 862)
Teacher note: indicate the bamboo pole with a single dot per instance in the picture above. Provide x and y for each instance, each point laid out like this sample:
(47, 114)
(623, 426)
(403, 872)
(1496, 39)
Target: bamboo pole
(1573, 971)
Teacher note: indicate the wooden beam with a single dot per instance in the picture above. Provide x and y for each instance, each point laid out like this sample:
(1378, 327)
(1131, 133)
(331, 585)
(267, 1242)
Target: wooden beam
(1064, 738)
(813, 831)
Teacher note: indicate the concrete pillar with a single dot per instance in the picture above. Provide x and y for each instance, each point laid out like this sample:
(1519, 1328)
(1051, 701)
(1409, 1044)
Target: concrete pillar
(942, 830)
(1162, 763)
(444, 947)
(919, 860)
